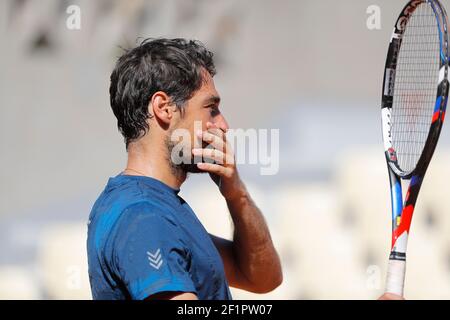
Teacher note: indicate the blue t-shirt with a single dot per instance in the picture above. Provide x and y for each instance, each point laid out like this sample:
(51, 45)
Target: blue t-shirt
(144, 239)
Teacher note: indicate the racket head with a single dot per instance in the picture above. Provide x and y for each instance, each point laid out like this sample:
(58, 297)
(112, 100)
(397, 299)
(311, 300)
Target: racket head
(415, 87)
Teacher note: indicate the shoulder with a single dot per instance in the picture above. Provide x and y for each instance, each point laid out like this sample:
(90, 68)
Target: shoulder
(143, 229)
(145, 216)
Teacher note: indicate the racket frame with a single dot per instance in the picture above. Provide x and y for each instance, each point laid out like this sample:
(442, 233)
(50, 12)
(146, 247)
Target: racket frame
(402, 211)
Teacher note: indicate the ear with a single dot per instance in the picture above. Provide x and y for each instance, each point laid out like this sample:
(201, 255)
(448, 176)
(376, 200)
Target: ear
(161, 108)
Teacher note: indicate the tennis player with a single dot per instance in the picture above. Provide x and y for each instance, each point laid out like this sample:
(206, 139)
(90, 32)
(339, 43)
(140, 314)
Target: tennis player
(144, 241)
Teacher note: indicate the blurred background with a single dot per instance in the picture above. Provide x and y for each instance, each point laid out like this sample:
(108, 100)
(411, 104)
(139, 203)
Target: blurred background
(310, 68)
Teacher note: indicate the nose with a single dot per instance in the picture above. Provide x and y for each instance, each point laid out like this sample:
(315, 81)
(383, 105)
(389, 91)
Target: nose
(221, 123)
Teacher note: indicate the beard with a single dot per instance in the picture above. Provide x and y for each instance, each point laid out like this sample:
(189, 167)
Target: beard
(189, 163)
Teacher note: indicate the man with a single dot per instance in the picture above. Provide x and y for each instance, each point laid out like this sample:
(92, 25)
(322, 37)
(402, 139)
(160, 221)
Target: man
(144, 241)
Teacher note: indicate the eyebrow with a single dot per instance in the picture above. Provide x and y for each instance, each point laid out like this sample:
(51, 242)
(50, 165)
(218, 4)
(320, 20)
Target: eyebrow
(212, 100)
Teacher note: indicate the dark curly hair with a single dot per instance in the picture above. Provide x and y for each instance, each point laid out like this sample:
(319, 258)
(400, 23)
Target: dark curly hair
(173, 66)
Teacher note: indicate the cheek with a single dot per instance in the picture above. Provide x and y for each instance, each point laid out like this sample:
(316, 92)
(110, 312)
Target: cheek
(197, 120)
(204, 116)
(200, 114)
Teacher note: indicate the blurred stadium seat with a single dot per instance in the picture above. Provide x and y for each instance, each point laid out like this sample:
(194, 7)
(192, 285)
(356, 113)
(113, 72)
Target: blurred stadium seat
(18, 283)
(428, 269)
(433, 204)
(315, 247)
(363, 188)
(62, 262)
(364, 202)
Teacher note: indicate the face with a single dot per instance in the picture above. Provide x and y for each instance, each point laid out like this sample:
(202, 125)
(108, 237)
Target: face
(203, 107)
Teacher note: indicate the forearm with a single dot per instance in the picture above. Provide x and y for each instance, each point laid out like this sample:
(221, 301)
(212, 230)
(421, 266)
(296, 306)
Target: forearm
(253, 249)
(251, 261)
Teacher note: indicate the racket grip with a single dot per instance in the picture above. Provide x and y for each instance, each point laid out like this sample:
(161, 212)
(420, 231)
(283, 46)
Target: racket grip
(395, 279)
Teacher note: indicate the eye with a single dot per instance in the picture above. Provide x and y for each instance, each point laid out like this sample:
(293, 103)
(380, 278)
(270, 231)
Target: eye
(214, 110)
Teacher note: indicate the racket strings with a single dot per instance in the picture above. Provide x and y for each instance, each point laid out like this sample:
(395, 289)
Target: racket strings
(415, 87)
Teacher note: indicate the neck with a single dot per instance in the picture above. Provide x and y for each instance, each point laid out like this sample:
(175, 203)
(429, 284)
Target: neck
(145, 162)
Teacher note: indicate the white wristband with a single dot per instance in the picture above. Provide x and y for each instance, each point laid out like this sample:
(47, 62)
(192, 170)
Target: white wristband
(396, 277)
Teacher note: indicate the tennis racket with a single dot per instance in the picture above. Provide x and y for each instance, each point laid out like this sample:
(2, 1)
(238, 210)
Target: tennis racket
(415, 92)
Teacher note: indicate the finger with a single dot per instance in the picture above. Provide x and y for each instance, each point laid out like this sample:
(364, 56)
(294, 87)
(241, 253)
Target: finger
(222, 134)
(214, 140)
(211, 127)
(209, 155)
(215, 168)
(216, 132)
(219, 144)
(215, 155)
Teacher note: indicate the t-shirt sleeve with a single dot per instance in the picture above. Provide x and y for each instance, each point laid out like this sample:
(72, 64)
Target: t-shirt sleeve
(148, 255)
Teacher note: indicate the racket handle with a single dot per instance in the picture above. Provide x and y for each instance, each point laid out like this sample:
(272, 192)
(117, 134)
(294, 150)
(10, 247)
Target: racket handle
(395, 280)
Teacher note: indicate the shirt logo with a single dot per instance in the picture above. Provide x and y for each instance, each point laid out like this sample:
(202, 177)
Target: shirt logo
(155, 259)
